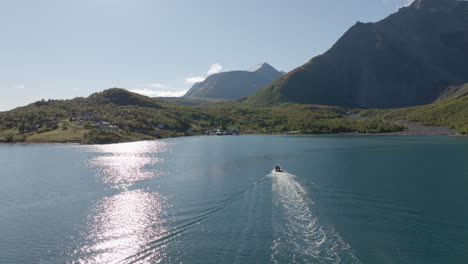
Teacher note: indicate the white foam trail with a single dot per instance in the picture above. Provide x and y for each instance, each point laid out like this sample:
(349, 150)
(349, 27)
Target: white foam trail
(299, 237)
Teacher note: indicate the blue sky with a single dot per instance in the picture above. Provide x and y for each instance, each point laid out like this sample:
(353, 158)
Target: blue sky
(66, 48)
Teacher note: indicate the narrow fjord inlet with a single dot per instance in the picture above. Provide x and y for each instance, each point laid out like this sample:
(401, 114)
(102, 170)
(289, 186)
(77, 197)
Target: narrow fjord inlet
(161, 202)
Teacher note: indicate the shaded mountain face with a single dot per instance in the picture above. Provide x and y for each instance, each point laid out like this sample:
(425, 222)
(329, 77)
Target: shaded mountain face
(404, 60)
(234, 84)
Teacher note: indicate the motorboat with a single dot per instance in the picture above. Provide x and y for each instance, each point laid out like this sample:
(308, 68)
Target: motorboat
(278, 169)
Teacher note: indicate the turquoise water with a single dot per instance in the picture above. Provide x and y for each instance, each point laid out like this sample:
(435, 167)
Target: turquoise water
(342, 199)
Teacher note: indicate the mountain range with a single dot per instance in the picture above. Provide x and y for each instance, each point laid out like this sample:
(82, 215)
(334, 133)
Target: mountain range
(234, 84)
(406, 59)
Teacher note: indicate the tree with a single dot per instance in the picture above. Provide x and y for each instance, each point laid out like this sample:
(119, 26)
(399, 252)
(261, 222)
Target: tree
(23, 128)
(10, 137)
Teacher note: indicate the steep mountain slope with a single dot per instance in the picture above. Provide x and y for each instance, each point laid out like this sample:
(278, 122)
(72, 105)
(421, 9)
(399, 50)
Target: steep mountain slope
(234, 84)
(407, 59)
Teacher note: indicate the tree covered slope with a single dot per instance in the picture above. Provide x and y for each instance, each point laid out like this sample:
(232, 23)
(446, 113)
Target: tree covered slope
(117, 115)
(451, 111)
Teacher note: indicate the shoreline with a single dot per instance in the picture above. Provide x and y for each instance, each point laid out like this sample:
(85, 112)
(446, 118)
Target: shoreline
(412, 130)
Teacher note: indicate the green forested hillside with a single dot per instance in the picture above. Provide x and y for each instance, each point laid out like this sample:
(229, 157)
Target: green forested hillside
(450, 112)
(117, 115)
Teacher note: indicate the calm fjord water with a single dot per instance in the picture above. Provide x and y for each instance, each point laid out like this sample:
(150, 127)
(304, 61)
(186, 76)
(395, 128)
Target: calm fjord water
(213, 199)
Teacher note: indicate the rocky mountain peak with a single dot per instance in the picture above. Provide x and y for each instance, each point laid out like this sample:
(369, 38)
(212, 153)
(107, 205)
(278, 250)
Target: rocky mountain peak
(261, 67)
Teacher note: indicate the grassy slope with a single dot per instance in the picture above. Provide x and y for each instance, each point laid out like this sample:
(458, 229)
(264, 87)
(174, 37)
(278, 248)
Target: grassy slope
(58, 136)
(453, 91)
(451, 112)
(6, 132)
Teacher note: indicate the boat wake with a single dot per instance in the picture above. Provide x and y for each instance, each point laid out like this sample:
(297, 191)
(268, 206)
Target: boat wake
(298, 235)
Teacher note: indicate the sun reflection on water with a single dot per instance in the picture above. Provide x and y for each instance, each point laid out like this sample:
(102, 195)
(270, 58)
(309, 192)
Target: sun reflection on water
(120, 165)
(123, 227)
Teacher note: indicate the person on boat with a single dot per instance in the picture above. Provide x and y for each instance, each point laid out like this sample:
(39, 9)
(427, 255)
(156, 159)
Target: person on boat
(278, 168)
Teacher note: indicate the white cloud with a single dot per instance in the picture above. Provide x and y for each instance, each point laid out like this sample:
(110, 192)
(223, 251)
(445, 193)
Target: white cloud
(20, 86)
(192, 80)
(407, 3)
(152, 93)
(398, 3)
(158, 85)
(214, 68)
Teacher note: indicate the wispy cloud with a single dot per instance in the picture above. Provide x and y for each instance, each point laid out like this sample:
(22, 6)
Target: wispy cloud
(214, 68)
(153, 93)
(158, 85)
(195, 79)
(398, 3)
(20, 86)
(407, 2)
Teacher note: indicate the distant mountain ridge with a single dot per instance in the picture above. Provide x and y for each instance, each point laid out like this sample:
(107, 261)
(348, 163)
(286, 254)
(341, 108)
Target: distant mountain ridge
(406, 59)
(234, 84)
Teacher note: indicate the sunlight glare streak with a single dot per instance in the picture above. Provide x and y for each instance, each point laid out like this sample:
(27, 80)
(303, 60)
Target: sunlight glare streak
(123, 225)
(121, 165)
